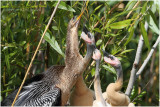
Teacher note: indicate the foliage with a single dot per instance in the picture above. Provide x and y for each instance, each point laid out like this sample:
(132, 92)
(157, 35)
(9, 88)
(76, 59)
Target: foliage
(24, 22)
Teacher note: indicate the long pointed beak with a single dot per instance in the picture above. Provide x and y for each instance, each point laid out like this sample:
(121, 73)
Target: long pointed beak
(79, 17)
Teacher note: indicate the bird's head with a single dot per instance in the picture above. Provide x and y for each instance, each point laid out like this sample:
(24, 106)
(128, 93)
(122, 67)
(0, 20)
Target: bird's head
(87, 36)
(96, 55)
(74, 22)
(112, 60)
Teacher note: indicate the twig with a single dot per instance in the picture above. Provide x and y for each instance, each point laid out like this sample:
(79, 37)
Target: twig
(132, 10)
(122, 40)
(135, 64)
(35, 53)
(148, 57)
(108, 42)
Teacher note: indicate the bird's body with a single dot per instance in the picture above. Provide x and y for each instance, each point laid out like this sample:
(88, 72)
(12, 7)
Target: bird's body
(99, 102)
(81, 94)
(114, 96)
(53, 86)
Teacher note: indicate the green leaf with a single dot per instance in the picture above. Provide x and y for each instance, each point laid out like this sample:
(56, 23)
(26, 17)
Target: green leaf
(130, 5)
(151, 20)
(97, 30)
(130, 36)
(98, 18)
(110, 34)
(97, 8)
(144, 34)
(64, 6)
(110, 21)
(144, 8)
(8, 90)
(93, 72)
(125, 12)
(54, 27)
(129, 50)
(98, 42)
(53, 43)
(41, 18)
(121, 24)
(110, 69)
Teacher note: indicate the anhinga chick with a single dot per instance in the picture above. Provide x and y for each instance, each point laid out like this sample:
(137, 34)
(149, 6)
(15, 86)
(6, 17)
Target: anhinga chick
(81, 94)
(99, 102)
(115, 97)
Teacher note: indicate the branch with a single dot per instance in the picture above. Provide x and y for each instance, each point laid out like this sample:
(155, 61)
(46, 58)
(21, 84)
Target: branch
(35, 53)
(148, 57)
(133, 8)
(135, 64)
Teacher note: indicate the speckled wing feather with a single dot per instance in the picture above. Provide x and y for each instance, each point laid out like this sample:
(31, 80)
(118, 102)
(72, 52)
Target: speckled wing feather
(39, 94)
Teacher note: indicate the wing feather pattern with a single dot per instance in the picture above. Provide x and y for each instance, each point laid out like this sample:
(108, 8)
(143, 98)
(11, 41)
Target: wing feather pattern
(39, 94)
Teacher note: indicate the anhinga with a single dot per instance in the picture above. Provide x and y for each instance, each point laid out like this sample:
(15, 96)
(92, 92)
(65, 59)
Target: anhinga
(81, 94)
(114, 96)
(53, 86)
(99, 102)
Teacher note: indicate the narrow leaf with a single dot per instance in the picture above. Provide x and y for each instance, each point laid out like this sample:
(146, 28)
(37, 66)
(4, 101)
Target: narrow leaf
(97, 30)
(98, 19)
(110, 69)
(144, 34)
(130, 36)
(98, 42)
(53, 43)
(151, 20)
(129, 50)
(121, 24)
(64, 6)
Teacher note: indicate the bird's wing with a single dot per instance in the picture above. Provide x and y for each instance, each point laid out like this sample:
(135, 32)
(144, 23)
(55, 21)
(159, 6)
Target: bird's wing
(39, 93)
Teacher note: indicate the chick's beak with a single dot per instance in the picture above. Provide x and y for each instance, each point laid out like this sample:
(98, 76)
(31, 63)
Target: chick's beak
(86, 38)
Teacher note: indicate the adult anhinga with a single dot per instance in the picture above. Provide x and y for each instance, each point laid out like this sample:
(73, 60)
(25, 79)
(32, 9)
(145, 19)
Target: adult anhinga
(99, 102)
(114, 96)
(53, 86)
(81, 94)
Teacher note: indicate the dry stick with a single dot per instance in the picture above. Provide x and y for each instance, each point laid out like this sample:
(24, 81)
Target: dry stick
(132, 10)
(148, 57)
(35, 53)
(135, 64)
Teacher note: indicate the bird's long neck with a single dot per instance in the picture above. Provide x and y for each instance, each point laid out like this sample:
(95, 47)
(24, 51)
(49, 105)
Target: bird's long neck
(97, 85)
(80, 86)
(119, 81)
(72, 50)
(88, 56)
(115, 98)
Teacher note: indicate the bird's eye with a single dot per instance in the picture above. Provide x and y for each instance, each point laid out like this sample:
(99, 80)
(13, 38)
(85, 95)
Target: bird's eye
(112, 58)
(89, 35)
